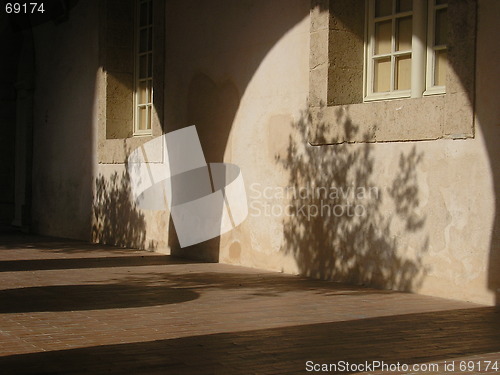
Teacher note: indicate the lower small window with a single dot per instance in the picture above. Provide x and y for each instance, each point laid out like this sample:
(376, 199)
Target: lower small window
(405, 48)
(143, 72)
(437, 55)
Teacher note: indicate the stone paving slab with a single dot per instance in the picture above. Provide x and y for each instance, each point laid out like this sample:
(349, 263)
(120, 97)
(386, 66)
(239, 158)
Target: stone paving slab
(68, 307)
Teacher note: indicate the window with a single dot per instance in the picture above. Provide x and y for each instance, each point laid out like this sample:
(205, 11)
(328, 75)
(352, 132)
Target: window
(143, 72)
(441, 61)
(436, 47)
(405, 49)
(131, 80)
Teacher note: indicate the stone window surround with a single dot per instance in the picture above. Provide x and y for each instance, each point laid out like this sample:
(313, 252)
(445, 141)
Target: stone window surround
(336, 82)
(116, 151)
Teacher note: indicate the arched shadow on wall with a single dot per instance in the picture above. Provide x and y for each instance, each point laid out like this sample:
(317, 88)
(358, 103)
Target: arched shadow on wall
(200, 95)
(212, 108)
(337, 226)
(194, 96)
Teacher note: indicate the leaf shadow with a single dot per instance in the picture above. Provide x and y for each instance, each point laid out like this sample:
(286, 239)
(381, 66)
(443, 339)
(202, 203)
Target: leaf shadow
(116, 219)
(345, 223)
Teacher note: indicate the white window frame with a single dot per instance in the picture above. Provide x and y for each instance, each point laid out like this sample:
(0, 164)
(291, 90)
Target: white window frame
(422, 52)
(370, 54)
(149, 77)
(430, 87)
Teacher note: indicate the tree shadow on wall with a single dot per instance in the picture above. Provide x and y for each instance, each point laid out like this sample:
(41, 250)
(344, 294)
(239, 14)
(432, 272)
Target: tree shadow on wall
(341, 225)
(116, 219)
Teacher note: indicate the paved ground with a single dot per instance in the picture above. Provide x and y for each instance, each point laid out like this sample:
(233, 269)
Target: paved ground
(73, 308)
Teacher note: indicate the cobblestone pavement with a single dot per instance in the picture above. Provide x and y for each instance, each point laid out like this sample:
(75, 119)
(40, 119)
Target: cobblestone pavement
(68, 307)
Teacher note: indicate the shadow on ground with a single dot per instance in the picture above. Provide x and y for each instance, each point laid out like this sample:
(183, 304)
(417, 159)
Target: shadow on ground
(407, 339)
(89, 297)
(81, 263)
(248, 284)
(15, 239)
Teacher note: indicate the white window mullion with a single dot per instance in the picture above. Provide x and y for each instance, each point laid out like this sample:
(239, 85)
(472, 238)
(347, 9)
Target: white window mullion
(370, 50)
(432, 88)
(393, 48)
(392, 84)
(418, 42)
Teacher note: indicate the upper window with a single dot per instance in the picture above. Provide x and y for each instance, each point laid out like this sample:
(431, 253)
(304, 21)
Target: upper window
(362, 55)
(405, 48)
(143, 72)
(131, 50)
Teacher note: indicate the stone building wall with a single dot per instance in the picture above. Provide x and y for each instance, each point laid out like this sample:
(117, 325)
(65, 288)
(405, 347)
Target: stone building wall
(240, 71)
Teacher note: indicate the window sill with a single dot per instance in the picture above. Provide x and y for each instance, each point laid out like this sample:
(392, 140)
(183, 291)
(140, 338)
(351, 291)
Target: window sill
(116, 151)
(438, 90)
(387, 96)
(397, 120)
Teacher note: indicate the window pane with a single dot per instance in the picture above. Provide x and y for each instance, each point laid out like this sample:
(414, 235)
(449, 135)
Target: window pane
(440, 68)
(382, 79)
(383, 32)
(404, 5)
(144, 92)
(150, 65)
(403, 73)
(441, 27)
(143, 70)
(383, 8)
(404, 31)
(143, 40)
(143, 66)
(148, 124)
(150, 12)
(143, 14)
(150, 39)
(142, 118)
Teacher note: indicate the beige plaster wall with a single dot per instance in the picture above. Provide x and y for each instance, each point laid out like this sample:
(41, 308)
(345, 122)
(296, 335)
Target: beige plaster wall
(428, 230)
(240, 72)
(65, 121)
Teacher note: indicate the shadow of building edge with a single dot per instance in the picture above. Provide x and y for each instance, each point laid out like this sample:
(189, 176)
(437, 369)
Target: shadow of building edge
(26, 85)
(487, 25)
(419, 338)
